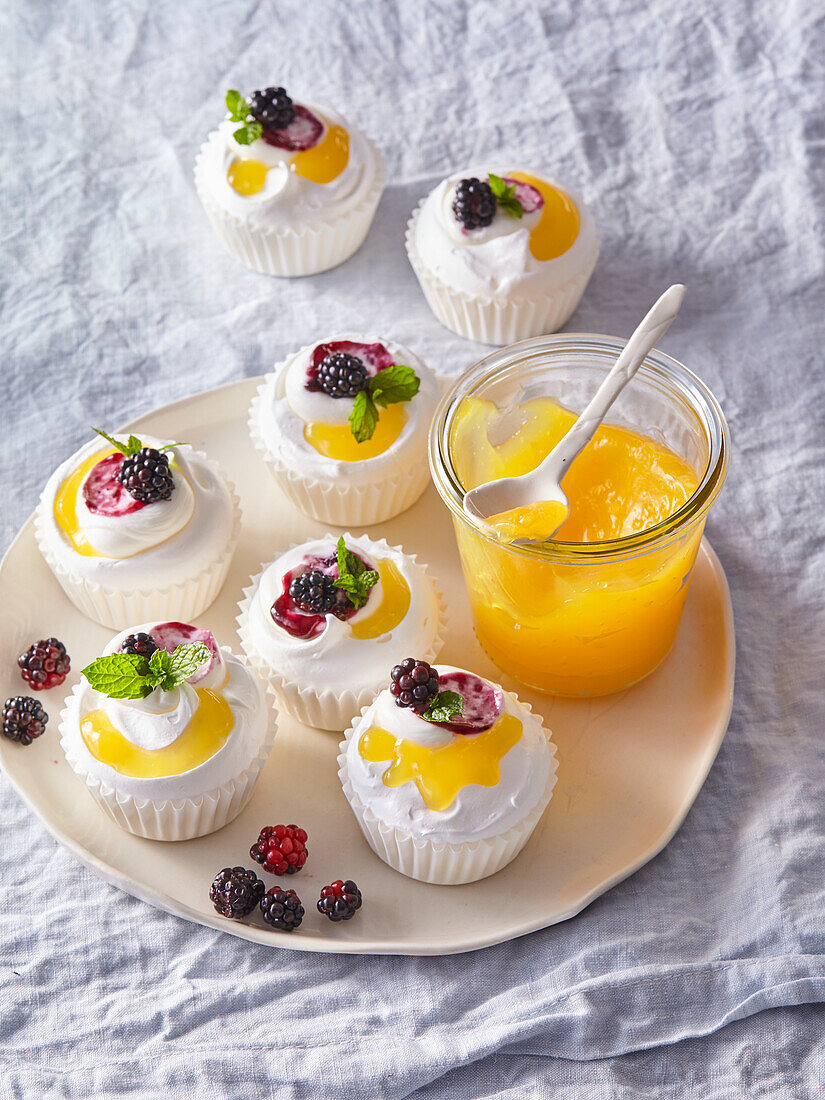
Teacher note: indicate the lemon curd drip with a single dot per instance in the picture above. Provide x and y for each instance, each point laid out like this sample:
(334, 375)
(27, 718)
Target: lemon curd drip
(65, 505)
(440, 773)
(325, 161)
(558, 226)
(205, 735)
(393, 607)
(247, 177)
(336, 441)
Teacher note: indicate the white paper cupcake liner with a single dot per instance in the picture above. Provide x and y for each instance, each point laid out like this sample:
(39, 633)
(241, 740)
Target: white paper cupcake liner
(288, 252)
(440, 863)
(334, 501)
(326, 709)
(167, 819)
(119, 608)
(493, 320)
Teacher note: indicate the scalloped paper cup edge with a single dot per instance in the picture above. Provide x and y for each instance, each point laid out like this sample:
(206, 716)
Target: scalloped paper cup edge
(169, 819)
(118, 609)
(325, 710)
(444, 864)
(287, 252)
(494, 321)
(335, 502)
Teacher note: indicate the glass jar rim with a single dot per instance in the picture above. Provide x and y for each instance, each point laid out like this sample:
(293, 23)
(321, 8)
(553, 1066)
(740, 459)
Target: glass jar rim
(657, 367)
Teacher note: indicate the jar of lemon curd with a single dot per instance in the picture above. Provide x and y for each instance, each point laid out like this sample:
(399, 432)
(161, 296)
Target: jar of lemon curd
(597, 608)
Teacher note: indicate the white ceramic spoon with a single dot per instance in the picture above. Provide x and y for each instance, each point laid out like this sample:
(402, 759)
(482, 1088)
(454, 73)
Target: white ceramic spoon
(544, 483)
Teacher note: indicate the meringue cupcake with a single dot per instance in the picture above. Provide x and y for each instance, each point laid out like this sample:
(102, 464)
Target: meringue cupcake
(502, 254)
(447, 774)
(290, 188)
(137, 529)
(343, 426)
(168, 731)
(318, 622)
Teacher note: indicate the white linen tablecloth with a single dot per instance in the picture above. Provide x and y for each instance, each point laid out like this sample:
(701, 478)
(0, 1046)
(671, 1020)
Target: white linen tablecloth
(695, 129)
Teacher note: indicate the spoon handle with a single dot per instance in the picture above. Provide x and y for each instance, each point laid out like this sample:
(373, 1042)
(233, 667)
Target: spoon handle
(653, 326)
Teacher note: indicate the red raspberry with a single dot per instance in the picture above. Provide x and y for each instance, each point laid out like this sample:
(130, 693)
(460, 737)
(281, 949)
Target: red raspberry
(281, 849)
(44, 664)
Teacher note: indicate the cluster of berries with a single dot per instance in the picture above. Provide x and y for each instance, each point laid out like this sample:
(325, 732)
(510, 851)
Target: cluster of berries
(44, 665)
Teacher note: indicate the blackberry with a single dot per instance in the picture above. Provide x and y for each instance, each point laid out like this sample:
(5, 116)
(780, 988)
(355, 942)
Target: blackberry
(342, 375)
(23, 719)
(273, 108)
(340, 900)
(140, 644)
(474, 204)
(236, 891)
(314, 591)
(44, 664)
(146, 476)
(414, 684)
(282, 849)
(282, 909)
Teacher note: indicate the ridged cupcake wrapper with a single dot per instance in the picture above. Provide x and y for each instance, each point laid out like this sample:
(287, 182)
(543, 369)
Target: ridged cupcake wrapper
(167, 819)
(119, 608)
(289, 252)
(493, 320)
(337, 502)
(326, 710)
(440, 863)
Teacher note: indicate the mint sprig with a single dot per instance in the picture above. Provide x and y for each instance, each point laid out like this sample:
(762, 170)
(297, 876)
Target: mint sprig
(133, 445)
(445, 705)
(388, 387)
(505, 196)
(239, 111)
(353, 576)
(134, 676)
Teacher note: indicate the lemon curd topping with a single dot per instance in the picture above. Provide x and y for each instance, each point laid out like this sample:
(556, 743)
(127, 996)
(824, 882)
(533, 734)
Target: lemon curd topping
(322, 163)
(325, 161)
(205, 735)
(247, 177)
(393, 607)
(336, 441)
(532, 521)
(558, 226)
(65, 505)
(440, 773)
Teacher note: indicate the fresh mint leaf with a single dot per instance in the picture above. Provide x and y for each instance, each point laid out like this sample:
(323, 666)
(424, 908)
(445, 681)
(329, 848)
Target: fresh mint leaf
(120, 676)
(505, 194)
(122, 447)
(363, 420)
(446, 705)
(134, 444)
(394, 384)
(236, 105)
(245, 135)
(353, 576)
(186, 660)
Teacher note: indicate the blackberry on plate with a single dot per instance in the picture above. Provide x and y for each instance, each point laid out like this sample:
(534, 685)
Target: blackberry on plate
(340, 900)
(474, 204)
(414, 684)
(23, 719)
(44, 664)
(273, 108)
(141, 644)
(281, 849)
(236, 891)
(314, 592)
(342, 375)
(146, 475)
(282, 909)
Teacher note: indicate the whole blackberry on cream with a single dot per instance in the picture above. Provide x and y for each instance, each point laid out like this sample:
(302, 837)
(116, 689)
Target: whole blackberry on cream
(502, 254)
(343, 425)
(326, 657)
(138, 528)
(290, 188)
(448, 791)
(169, 742)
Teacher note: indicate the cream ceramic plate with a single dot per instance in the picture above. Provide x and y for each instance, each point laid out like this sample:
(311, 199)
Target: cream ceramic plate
(630, 765)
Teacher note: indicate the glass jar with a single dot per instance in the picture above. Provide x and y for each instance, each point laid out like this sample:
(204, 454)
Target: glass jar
(585, 619)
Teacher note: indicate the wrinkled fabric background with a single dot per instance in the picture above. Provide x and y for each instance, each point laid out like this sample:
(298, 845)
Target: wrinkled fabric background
(696, 131)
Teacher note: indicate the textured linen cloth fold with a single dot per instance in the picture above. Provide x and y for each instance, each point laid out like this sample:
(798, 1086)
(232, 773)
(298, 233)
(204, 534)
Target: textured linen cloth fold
(695, 131)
